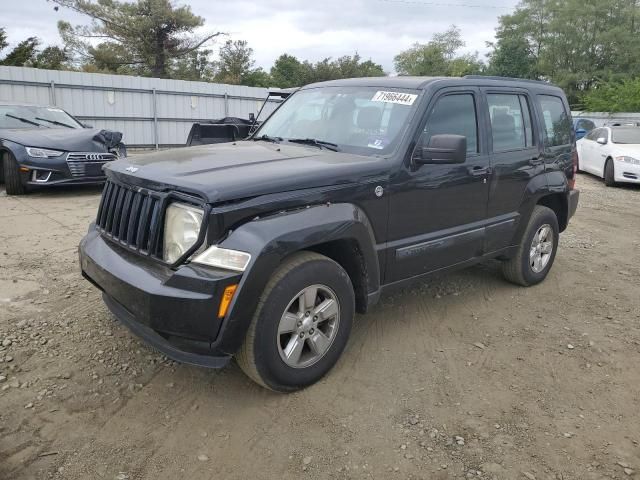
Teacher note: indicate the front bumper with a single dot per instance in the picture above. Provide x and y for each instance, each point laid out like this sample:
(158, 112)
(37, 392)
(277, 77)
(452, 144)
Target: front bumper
(59, 171)
(626, 172)
(573, 197)
(175, 311)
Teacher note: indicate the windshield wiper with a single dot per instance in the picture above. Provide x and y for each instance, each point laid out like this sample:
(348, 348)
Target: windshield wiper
(25, 120)
(315, 142)
(267, 138)
(55, 122)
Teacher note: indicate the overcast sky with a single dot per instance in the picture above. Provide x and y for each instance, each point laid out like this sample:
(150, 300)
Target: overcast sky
(376, 29)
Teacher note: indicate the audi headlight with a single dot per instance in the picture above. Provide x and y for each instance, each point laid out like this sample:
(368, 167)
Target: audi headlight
(224, 258)
(37, 152)
(181, 230)
(626, 159)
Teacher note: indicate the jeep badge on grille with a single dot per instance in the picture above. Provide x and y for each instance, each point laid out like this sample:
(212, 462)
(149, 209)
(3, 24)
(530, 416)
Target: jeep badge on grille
(131, 169)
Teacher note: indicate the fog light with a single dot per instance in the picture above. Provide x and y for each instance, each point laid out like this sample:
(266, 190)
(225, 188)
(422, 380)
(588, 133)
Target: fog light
(40, 176)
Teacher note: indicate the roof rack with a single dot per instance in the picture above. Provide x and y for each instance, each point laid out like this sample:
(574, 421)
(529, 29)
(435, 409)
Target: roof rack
(508, 79)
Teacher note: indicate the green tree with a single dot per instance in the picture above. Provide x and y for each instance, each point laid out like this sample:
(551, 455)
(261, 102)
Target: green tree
(438, 57)
(22, 54)
(195, 66)
(257, 78)
(146, 35)
(235, 62)
(573, 43)
(623, 96)
(287, 71)
(50, 58)
(3, 39)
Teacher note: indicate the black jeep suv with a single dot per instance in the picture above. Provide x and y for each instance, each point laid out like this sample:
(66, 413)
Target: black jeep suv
(265, 248)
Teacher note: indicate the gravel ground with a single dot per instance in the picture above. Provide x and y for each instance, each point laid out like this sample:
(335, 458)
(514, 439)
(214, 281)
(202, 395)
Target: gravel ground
(466, 376)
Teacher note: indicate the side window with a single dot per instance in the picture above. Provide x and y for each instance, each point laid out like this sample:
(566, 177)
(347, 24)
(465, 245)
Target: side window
(557, 125)
(510, 122)
(591, 135)
(455, 115)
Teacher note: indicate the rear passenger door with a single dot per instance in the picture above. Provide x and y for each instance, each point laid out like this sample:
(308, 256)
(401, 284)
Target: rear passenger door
(558, 137)
(515, 157)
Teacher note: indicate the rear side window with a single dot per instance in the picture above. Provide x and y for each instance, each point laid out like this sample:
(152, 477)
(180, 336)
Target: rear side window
(455, 115)
(556, 121)
(510, 122)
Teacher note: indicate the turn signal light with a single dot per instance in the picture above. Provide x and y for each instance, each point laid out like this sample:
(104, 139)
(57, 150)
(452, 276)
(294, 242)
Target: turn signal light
(227, 296)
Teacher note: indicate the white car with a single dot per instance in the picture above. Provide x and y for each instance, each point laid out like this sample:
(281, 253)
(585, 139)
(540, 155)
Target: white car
(612, 153)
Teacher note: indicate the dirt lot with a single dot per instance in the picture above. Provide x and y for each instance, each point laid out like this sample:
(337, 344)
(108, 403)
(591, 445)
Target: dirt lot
(464, 377)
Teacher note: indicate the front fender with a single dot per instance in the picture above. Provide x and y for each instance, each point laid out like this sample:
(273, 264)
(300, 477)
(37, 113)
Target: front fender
(271, 239)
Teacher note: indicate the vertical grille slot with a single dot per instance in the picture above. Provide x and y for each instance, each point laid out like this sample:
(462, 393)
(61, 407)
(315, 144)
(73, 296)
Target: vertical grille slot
(132, 218)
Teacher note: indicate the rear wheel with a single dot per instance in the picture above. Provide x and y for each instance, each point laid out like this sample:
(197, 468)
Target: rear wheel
(13, 182)
(609, 174)
(301, 325)
(537, 250)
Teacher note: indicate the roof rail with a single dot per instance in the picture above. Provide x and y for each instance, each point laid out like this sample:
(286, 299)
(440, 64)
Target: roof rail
(508, 79)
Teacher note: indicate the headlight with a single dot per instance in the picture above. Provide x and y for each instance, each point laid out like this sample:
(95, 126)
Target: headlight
(626, 159)
(224, 258)
(181, 230)
(42, 152)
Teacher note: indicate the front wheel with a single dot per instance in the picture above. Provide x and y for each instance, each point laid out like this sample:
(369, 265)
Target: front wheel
(609, 174)
(537, 249)
(12, 177)
(301, 325)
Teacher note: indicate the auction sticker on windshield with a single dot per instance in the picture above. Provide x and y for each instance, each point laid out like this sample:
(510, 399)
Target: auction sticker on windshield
(394, 97)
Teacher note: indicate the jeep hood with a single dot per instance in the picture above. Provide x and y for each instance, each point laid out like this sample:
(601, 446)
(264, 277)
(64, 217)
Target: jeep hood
(232, 171)
(64, 139)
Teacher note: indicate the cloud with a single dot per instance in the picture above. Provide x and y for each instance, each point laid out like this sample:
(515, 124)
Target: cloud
(376, 29)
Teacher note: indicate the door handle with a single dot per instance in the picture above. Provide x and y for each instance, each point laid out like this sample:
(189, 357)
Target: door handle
(536, 161)
(479, 171)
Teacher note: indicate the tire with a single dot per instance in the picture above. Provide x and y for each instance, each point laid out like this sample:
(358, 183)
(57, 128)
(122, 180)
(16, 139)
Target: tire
(12, 180)
(261, 356)
(521, 269)
(609, 174)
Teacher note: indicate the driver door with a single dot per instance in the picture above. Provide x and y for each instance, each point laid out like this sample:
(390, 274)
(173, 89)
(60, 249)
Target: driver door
(437, 211)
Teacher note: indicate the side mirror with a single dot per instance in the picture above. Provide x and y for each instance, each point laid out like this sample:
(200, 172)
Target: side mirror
(581, 132)
(602, 140)
(442, 149)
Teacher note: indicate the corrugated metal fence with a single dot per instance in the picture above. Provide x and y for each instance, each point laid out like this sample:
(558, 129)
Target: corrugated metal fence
(603, 118)
(151, 112)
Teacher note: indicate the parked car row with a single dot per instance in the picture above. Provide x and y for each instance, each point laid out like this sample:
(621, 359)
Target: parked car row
(46, 146)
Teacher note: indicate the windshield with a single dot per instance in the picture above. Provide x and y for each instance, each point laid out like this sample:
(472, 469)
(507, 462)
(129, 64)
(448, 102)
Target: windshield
(361, 120)
(625, 135)
(24, 116)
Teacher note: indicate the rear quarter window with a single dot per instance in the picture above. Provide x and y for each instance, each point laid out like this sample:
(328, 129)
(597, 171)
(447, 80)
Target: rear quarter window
(556, 121)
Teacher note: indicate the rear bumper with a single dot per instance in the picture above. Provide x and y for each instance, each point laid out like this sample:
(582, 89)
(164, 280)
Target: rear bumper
(175, 311)
(572, 201)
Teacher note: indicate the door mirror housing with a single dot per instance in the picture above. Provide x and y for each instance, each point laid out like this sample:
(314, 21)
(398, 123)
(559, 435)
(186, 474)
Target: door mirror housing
(602, 140)
(442, 149)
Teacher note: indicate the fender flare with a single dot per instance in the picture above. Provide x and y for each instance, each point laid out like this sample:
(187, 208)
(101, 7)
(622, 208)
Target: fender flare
(271, 239)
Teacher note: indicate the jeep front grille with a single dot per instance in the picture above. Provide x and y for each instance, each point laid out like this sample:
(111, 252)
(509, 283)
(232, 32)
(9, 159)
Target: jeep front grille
(88, 164)
(132, 217)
